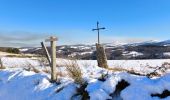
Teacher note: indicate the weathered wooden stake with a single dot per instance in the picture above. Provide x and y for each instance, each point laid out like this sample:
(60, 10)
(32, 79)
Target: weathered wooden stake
(53, 58)
(101, 56)
(1, 64)
(46, 52)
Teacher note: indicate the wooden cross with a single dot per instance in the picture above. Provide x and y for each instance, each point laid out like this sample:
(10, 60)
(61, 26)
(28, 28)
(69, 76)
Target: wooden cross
(98, 29)
(53, 57)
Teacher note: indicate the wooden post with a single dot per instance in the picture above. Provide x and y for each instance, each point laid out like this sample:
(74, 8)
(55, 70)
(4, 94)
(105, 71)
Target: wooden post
(46, 52)
(101, 56)
(53, 58)
(1, 64)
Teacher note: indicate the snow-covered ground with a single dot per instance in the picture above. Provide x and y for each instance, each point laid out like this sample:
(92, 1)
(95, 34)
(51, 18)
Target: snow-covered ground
(19, 84)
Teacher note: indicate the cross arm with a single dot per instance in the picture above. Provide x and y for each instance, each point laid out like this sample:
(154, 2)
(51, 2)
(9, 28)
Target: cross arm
(99, 29)
(94, 29)
(102, 28)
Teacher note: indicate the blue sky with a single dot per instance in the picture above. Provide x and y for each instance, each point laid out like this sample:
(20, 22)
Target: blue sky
(27, 22)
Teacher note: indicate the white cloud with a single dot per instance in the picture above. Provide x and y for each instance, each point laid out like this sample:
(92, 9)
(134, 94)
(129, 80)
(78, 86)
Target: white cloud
(31, 39)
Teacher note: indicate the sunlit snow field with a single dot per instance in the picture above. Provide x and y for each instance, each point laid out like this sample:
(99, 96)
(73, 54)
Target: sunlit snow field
(16, 83)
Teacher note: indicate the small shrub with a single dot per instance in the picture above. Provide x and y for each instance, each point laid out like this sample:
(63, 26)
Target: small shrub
(13, 50)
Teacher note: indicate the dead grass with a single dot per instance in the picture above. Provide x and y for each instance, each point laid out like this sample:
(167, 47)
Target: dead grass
(22, 56)
(46, 70)
(159, 70)
(74, 71)
(35, 70)
(3, 67)
(131, 71)
(30, 67)
(116, 69)
(43, 61)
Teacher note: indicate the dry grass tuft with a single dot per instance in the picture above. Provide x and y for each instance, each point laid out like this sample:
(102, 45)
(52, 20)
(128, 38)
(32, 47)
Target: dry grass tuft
(35, 70)
(131, 71)
(30, 67)
(46, 70)
(43, 61)
(2, 67)
(117, 69)
(74, 71)
(159, 70)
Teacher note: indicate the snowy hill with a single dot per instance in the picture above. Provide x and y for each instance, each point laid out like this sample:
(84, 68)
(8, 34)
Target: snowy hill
(147, 50)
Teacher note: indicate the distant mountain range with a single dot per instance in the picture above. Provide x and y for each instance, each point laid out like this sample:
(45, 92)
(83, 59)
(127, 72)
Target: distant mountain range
(143, 50)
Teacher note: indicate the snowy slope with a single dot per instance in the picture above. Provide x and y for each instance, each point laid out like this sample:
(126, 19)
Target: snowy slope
(137, 65)
(18, 84)
(23, 85)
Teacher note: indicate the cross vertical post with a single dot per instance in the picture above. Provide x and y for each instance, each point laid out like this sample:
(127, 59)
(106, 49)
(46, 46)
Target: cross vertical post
(98, 29)
(98, 33)
(53, 57)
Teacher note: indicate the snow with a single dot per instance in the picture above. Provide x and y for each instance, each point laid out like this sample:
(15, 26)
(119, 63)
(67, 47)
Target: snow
(166, 53)
(19, 62)
(83, 53)
(99, 95)
(132, 53)
(23, 50)
(84, 47)
(143, 66)
(140, 88)
(25, 85)
(73, 54)
(74, 47)
(60, 51)
(77, 53)
(18, 84)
